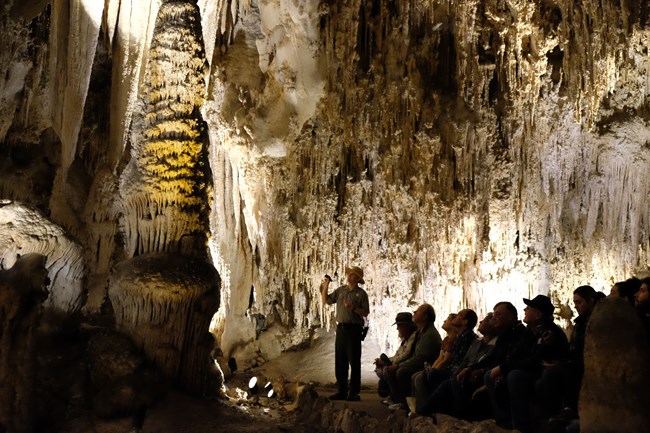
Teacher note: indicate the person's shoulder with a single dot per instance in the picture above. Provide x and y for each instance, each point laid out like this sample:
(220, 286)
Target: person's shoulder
(557, 329)
(520, 329)
(432, 331)
(468, 334)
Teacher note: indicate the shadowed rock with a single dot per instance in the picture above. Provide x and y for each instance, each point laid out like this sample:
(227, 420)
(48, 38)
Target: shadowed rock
(614, 394)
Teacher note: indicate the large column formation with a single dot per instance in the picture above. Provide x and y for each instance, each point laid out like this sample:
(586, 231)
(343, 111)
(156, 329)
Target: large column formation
(164, 186)
(165, 295)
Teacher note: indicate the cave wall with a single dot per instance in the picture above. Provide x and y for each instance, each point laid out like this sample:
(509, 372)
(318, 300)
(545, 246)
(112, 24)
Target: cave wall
(461, 152)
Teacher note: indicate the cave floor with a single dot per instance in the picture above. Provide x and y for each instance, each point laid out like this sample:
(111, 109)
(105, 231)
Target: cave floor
(180, 413)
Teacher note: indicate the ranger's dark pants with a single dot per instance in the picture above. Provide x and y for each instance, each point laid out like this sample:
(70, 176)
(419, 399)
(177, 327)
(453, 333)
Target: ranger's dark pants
(348, 353)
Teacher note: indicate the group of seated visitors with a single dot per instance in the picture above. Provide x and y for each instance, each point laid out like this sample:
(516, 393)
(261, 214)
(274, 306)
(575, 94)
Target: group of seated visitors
(519, 372)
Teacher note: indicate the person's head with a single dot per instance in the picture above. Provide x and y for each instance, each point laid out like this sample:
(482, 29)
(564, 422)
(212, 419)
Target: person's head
(424, 316)
(626, 289)
(504, 316)
(538, 310)
(466, 319)
(584, 299)
(448, 324)
(354, 276)
(642, 298)
(486, 326)
(405, 325)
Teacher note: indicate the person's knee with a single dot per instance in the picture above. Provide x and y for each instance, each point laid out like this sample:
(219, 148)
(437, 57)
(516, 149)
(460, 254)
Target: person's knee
(404, 374)
(518, 382)
(418, 379)
(518, 377)
(487, 380)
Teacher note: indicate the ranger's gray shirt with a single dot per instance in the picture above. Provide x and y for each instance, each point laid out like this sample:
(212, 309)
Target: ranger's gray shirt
(357, 296)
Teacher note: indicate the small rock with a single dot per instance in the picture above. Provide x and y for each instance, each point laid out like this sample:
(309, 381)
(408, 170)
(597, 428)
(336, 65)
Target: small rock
(421, 424)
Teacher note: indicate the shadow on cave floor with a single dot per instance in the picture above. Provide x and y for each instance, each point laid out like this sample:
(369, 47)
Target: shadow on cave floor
(180, 413)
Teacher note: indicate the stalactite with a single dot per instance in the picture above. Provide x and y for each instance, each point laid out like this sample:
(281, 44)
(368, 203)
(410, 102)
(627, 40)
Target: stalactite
(74, 35)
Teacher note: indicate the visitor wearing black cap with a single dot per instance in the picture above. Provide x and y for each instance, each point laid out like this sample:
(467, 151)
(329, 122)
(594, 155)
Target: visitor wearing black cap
(351, 308)
(513, 383)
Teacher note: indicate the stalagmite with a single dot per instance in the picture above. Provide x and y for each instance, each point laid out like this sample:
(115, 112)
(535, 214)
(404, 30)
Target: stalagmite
(165, 303)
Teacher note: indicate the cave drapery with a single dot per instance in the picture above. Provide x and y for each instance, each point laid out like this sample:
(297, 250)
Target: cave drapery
(461, 152)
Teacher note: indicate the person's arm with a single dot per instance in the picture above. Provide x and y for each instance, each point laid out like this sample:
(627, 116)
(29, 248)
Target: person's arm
(360, 311)
(427, 348)
(364, 308)
(442, 361)
(324, 285)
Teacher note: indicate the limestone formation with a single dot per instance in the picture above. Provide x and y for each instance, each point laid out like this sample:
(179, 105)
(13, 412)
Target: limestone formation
(165, 185)
(165, 303)
(463, 153)
(614, 393)
(25, 230)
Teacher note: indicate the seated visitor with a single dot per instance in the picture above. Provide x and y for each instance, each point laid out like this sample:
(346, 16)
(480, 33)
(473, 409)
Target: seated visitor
(427, 349)
(454, 395)
(447, 342)
(530, 367)
(406, 331)
(642, 304)
(584, 301)
(425, 382)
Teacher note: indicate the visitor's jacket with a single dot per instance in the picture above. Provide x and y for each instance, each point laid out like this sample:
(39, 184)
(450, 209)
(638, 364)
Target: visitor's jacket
(460, 347)
(478, 351)
(577, 342)
(532, 349)
(427, 349)
(645, 318)
(405, 349)
(505, 344)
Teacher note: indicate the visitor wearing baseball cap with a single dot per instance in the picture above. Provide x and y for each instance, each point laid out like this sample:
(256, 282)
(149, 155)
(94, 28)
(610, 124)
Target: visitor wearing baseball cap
(352, 307)
(541, 303)
(530, 370)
